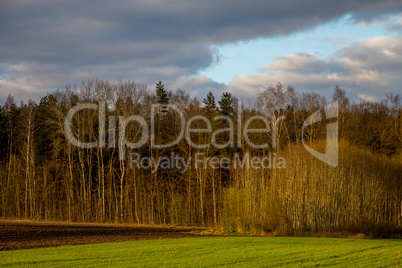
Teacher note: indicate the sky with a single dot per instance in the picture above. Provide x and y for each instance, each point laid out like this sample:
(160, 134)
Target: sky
(200, 46)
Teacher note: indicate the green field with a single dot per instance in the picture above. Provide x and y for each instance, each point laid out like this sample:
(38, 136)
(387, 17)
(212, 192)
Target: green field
(215, 251)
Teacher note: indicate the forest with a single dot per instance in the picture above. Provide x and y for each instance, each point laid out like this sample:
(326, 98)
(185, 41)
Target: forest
(45, 176)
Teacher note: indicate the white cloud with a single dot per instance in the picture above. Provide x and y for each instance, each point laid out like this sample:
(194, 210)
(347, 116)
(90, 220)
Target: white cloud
(370, 67)
(365, 97)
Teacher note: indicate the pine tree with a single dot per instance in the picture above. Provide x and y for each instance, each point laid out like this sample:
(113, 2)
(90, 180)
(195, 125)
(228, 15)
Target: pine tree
(43, 133)
(226, 104)
(163, 99)
(3, 135)
(209, 102)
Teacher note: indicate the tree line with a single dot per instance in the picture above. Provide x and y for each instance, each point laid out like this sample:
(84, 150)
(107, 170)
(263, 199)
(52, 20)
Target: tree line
(43, 176)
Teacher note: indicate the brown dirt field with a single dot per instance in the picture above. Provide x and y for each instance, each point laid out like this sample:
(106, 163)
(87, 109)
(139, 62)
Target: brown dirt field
(29, 234)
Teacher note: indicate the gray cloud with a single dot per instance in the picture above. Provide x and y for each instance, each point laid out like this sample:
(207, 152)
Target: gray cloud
(45, 43)
(199, 85)
(395, 24)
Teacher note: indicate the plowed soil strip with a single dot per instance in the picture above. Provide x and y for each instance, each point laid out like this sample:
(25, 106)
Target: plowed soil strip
(26, 234)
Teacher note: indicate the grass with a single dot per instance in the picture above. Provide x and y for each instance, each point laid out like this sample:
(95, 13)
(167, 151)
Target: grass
(215, 251)
(221, 232)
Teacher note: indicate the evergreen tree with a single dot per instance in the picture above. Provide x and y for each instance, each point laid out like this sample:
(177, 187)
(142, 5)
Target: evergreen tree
(12, 117)
(3, 135)
(209, 102)
(44, 131)
(163, 99)
(226, 104)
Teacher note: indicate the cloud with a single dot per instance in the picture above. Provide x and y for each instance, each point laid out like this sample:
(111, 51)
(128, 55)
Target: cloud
(198, 85)
(395, 23)
(371, 66)
(46, 43)
(365, 97)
